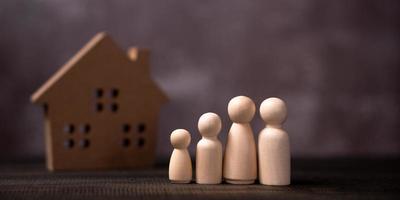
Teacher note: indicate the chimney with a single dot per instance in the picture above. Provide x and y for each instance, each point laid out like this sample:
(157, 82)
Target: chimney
(139, 55)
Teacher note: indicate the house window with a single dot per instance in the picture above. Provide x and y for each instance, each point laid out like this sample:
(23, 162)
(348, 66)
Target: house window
(126, 142)
(127, 139)
(141, 127)
(106, 101)
(85, 128)
(114, 93)
(84, 143)
(126, 128)
(141, 142)
(99, 107)
(114, 107)
(69, 143)
(69, 128)
(99, 93)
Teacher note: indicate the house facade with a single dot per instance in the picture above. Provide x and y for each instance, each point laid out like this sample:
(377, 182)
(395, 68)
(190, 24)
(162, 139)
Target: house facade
(101, 109)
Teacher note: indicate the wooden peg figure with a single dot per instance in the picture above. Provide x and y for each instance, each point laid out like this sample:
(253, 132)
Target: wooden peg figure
(209, 150)
(273, 144)
(180, 164)
(240, 160)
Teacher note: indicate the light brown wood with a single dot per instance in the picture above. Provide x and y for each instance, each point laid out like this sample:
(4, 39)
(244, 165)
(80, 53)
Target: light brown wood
(240, 159)
(180, 164)
(273, 144)
(209, 150)
(101, 109)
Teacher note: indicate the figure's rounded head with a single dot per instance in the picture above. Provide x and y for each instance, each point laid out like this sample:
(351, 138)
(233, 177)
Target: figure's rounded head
(180, 138)
(241, 109)
(209, 125)
(273, 111)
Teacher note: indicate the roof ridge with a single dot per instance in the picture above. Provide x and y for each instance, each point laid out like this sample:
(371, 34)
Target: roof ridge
(68, 65)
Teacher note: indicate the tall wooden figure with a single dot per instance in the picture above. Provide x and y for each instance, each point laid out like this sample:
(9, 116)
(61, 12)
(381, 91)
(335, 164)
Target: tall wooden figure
(180, 164)
(273, 144)
(240, 161)
(209, 150)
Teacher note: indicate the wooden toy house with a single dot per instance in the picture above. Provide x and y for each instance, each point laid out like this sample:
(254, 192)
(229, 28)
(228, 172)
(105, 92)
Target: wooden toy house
(101, 109)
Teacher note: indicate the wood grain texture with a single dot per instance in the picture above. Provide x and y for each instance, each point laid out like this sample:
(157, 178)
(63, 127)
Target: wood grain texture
(312, 179)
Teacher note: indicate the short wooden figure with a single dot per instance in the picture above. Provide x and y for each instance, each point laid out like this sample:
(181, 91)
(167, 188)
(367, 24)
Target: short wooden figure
(240, 160)
(180, 164)
(209, 150)
(273, 144)
(101, 109)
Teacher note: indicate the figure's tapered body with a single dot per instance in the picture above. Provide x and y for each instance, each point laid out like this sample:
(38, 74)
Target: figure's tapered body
(274, 157)
(240, 160)
(180, 164)
(209, 156)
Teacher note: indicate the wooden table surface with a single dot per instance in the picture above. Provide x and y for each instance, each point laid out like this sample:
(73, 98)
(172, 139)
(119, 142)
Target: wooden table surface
(312, 179)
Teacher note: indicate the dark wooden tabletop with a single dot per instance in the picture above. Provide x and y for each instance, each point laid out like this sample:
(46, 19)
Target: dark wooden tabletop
(312, 179)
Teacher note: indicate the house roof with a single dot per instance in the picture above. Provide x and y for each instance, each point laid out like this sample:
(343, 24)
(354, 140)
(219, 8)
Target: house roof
(97, 39)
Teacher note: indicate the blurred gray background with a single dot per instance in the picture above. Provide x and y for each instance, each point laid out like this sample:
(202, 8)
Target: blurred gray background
(336, 63)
